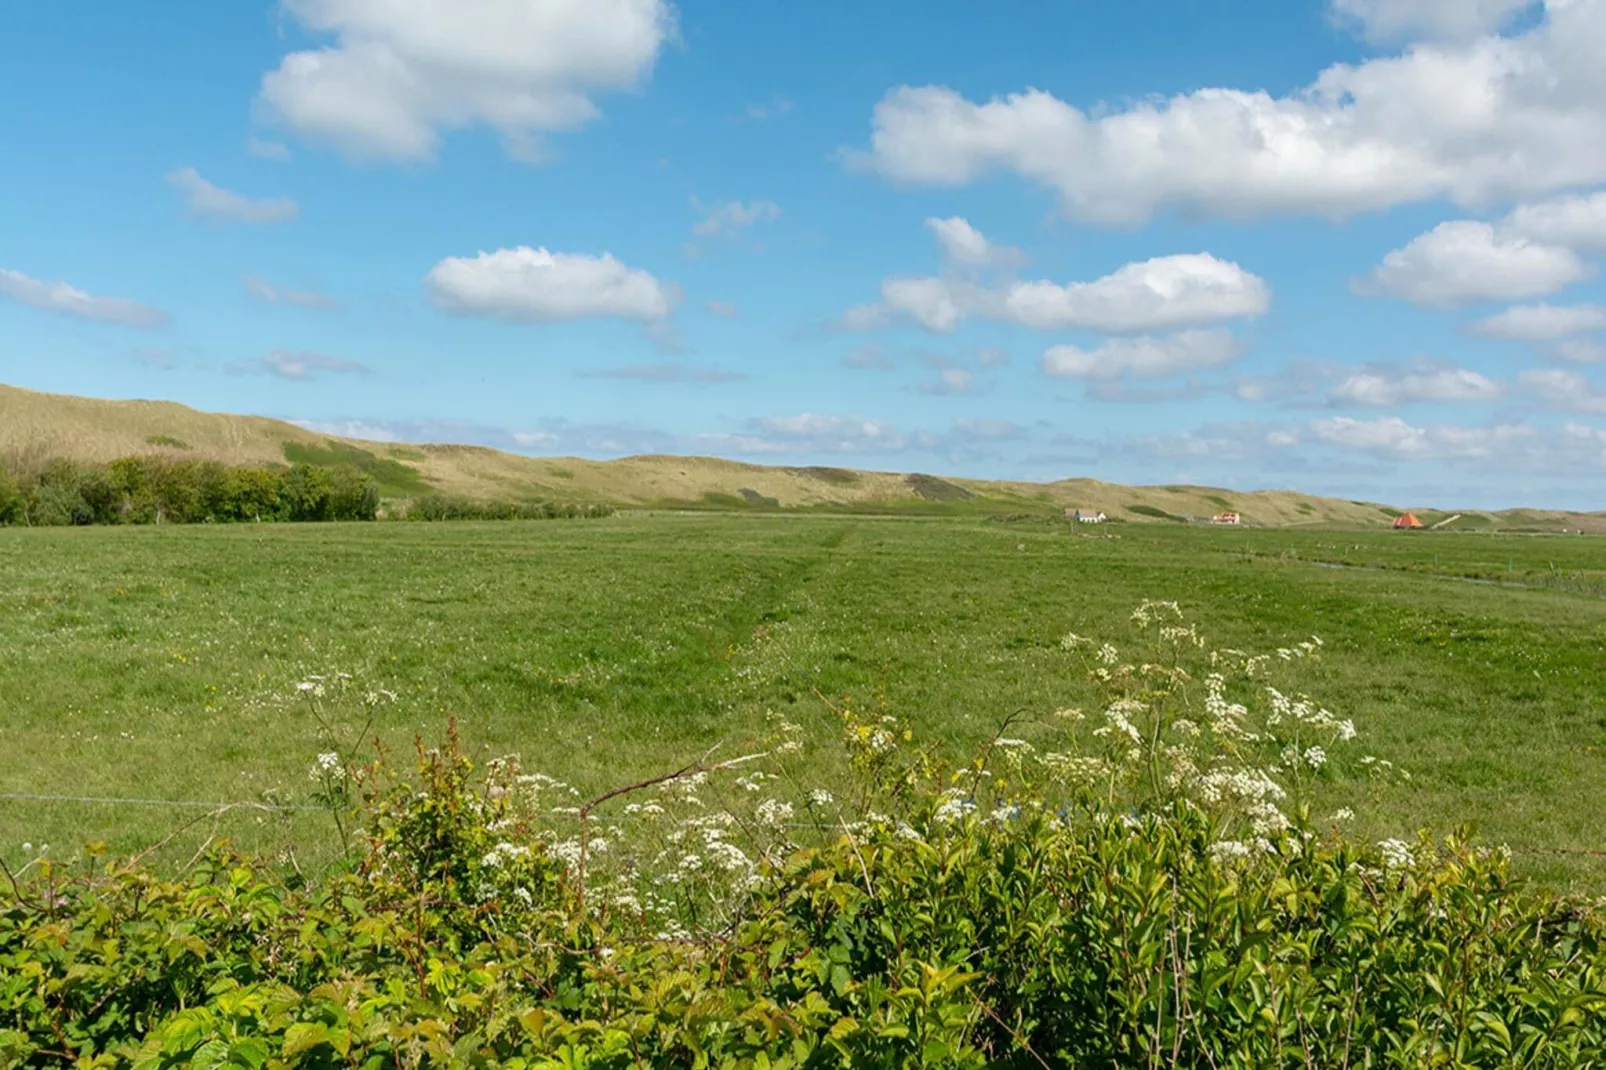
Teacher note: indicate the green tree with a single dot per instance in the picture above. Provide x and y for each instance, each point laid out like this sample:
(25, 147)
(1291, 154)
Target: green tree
(352, 494)
(307, 492)
(256, 494)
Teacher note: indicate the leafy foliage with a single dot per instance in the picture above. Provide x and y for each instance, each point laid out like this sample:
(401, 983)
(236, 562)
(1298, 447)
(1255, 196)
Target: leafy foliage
(155, 489)
(455, 507)
(1033, 907)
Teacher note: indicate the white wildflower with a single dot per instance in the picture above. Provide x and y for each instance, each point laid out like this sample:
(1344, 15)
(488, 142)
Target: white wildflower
(1396, 854)
(774, 812)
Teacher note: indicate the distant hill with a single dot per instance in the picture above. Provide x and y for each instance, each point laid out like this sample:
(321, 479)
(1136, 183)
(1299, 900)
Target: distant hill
(40, 425)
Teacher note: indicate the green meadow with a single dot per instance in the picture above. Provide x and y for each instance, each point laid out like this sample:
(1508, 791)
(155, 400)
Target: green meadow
(160, 665)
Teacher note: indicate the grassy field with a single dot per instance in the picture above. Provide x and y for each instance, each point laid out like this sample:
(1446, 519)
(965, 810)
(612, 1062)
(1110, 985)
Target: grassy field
(162, 663)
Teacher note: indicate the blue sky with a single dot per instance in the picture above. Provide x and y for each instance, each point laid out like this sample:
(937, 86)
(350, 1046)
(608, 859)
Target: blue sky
(1349, 247)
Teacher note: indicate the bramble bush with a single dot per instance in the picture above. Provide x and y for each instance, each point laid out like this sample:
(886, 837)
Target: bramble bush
(1134, 882)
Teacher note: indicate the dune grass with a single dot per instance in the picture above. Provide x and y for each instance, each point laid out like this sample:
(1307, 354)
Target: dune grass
(162, 663)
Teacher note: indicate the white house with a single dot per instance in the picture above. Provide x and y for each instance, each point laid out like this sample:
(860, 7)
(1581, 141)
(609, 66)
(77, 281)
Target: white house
(1085, 516)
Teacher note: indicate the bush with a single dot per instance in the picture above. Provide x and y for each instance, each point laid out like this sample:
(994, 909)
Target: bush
(1139, 887)
(436, 507)
(156, 489)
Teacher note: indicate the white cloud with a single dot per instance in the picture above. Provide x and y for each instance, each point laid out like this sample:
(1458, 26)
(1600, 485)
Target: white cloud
(1542, 322)
(1164, 293)
(723, 309)
(992, 357)
(1145, 357)
(297, 366)
(732, 217)
(402, 71)
(950, 379)
(1235, 442)
(965, 245)
(1465, 260)
(1157, 294)
(207, 201)
(1393, 20)
(1474, 121)
(1392, 437)
(537, 286)
(1565, 390)
(265, 291)
(815, 433)
(267, 150)
(1582, 350)
(69, 300)
(1577, 222)
(532, 439)
(358, 429)
(1374, 388)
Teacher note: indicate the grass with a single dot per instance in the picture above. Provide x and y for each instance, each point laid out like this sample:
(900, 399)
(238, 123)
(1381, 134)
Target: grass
(393, 477)
(161, 663)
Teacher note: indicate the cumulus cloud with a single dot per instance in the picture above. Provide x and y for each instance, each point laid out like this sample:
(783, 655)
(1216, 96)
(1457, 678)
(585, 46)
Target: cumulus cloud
(1144, 356)
(948, 379)
(1235, 442)
(399, 72)
(1543, 322)
(722, 309)
(71, 301)
(1466, 260)
(1474, 121)
(1157, 294)
(1163, 293)
(963, 244)
(1392, 437)
(671, 373)
(816, 433)
(1582, 350)
(206, 201)
(1576, 222)
(1383, 389)
(1567, 391)
(297, 366)
(308, 297)
(1394, 20)
(537, 286)
(1308, 382)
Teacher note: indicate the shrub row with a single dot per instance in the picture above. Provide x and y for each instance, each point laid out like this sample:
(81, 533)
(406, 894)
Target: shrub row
(155, 489)
(915, 940)
(457, 507)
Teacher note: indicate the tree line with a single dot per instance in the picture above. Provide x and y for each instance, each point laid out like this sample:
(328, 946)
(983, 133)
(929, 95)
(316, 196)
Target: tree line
(160, 490)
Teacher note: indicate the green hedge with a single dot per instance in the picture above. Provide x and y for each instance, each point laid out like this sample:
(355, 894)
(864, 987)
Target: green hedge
(457, 507)
(1141, 886)
(155, 489)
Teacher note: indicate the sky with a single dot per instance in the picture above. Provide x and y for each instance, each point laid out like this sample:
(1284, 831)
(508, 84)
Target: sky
(1349, 247)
